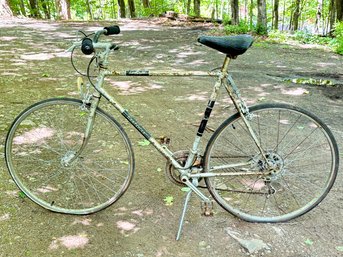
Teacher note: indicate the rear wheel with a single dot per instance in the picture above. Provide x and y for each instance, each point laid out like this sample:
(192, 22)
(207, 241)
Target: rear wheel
(297, 172)
(40, 155)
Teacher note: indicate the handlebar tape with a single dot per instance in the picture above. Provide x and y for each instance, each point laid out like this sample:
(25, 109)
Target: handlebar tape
(112, 30)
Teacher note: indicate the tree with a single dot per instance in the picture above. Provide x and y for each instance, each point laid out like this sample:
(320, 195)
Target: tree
(261, 17)
(197, 8)
(63, 9)
(339, 10)
(146, 3)
(132, 8)
(332, 14)
(318, 16)
(5, 10)
(276, 14)
(121, 4)
(234, 12)
(251, 9)
(89, 10)
(296, 15)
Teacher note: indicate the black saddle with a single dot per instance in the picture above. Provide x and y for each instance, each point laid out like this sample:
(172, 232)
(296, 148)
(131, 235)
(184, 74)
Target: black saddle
(232, 46)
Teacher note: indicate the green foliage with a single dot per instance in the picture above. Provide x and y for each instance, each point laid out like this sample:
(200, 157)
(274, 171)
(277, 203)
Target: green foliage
(242, 28)
(339, 37)
(226, 19)
(309, 38)
(277, 36)
(261, 30)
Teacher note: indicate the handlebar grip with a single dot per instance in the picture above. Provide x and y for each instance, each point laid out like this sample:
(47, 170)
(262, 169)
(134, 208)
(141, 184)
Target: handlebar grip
(87, 46)
(112, 30)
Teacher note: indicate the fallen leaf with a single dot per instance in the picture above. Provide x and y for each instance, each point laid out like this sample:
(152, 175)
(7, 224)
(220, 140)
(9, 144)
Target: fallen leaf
(21, 195)
(144, 142)
(339, 248)
(168, 200)
(308, 242)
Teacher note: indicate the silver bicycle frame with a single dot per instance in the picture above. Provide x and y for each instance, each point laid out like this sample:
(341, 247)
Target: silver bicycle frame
(223, 79)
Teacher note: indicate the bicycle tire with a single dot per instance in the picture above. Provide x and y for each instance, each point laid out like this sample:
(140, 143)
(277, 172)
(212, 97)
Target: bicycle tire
(301, 148)
(52, 130)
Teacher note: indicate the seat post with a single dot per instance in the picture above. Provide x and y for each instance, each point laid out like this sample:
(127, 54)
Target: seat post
(226, 63)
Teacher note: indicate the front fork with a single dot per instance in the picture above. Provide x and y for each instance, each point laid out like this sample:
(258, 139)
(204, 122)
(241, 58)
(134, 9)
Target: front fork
(90, 104)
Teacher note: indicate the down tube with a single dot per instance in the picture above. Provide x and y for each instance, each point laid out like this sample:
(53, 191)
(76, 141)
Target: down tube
(162, 149)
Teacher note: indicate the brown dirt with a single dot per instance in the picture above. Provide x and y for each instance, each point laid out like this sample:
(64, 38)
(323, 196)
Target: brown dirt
(34, 67)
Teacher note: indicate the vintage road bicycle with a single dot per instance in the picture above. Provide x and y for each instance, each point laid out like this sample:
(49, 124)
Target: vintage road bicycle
(265, 163)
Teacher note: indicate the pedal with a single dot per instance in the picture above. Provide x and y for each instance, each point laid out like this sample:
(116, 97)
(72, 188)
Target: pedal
(164, 140)
(207, 208)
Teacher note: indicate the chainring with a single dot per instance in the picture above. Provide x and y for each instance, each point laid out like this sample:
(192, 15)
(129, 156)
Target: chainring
(181, 157)
(173, 174)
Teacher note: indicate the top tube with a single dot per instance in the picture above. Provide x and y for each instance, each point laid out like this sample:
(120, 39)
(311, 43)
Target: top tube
(164, 73)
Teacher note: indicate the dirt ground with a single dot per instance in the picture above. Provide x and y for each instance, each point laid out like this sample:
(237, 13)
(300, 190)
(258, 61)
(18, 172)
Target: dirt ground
(34, 66)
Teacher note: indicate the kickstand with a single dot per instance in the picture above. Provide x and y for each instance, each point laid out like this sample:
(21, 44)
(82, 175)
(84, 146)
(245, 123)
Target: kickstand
(182, 218)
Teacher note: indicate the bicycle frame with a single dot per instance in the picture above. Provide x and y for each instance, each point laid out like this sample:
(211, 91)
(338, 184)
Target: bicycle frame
(223, 79)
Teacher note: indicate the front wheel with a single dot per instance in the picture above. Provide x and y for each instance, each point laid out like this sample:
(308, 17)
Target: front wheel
(43, 156)
(297, 170)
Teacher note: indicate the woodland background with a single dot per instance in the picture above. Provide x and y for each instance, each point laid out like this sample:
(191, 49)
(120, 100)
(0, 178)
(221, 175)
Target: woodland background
(311, 16)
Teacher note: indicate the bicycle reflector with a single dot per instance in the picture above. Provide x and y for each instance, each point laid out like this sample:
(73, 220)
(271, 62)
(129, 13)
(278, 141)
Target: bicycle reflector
(87, 46)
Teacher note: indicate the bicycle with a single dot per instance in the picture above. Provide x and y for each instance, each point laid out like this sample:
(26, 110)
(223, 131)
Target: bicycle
(266, 163)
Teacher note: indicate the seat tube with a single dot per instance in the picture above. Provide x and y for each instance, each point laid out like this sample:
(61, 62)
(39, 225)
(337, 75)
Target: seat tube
(221, 79)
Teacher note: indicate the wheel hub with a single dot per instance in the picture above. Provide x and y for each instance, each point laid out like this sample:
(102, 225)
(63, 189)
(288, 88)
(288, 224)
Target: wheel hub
(67, 158)
(272, 165)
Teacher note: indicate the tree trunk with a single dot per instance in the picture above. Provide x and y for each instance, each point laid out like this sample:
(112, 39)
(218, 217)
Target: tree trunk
(5, 10)
(121, 4)
(63, 9)
(283, 14)
(197, 8)
(188, 11)
(234, 12)
(261, 17)
(132, 8)
(251, 9)
(296, 15)
(89, 10)
(339, 10)
(146, 3)
(332, 15)
(276, 15)
(318, 16)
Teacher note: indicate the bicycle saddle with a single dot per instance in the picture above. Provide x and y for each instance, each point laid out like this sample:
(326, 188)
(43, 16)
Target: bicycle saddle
(232, 46)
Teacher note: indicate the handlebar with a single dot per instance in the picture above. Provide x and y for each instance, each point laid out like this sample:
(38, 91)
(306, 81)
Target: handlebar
(88, 45)
(113, 30)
